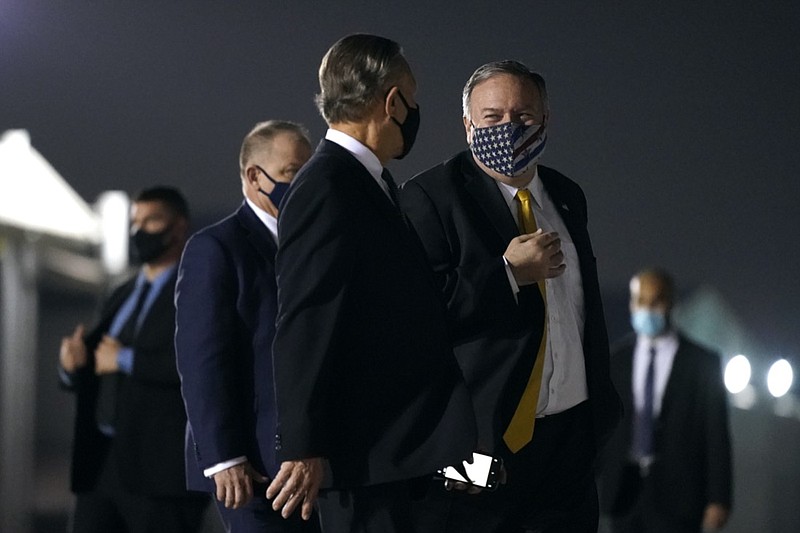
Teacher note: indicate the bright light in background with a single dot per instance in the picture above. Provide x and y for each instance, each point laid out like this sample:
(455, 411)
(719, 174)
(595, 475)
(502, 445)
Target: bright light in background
(779, 378)
(113, 208)
(737, 374)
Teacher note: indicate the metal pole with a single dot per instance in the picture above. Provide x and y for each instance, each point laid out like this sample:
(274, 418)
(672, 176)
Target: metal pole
(19, 316)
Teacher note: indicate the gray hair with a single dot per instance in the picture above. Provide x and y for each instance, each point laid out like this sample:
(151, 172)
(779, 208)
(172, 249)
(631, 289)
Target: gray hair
(355, 72)
(264, 132)
(508, 66)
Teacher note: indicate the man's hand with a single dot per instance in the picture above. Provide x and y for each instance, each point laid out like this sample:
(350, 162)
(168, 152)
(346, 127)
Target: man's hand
(105, 356)
(72, 355)
(535, 256)
(715, 516)
(297, 483)
(235, 484)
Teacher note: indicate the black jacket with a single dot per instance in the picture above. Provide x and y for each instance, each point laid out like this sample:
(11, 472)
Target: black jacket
(692, 443)
(465, 226)
(365, 375)
(150, 415)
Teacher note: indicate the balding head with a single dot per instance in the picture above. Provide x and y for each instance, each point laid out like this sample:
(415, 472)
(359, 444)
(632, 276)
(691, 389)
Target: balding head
(652, 289)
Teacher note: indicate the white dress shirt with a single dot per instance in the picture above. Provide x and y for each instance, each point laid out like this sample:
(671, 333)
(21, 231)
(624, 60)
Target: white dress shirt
(564, 374)
(666, 347)
(272, 225)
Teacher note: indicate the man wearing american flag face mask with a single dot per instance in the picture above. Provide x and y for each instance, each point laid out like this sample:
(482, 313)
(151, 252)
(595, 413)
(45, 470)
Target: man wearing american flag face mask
(508, 242)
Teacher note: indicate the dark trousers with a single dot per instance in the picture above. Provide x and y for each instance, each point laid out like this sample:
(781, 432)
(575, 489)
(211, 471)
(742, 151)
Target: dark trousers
(111, 507)
(384, 508)
(258, 517)
(550, 487)
(645, 516)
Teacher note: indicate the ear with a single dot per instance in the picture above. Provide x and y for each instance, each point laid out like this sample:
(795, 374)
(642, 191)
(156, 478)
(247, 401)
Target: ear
(390, 103)
(251, 175)
(468, 129)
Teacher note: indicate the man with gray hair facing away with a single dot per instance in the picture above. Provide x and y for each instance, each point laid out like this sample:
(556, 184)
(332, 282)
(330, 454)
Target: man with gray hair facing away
(366, 380)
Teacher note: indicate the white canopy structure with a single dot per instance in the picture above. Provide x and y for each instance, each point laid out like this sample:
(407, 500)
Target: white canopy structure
(44, 226)
(34, 196)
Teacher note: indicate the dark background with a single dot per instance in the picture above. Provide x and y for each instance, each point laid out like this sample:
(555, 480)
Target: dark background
(679, 119)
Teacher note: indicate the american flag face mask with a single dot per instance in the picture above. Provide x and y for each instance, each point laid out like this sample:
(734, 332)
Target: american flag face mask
(509, 148)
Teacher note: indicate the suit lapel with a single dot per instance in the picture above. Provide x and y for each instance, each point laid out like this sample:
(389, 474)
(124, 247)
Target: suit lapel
(258, 235)
(678, 377)
(489, 199)
(564, 203)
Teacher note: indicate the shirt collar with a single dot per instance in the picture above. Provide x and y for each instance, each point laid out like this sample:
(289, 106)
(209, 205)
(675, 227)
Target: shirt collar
(534, 186)
(660, 343)
(364, 155)
(268, 220)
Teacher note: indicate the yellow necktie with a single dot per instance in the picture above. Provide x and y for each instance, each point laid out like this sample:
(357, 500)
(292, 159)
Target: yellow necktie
(520, 430)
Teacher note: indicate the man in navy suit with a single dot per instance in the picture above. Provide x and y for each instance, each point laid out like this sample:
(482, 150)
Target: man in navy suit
(365, 377)
(508, 242)
(667, 468)
(127, 458)
(226, 306)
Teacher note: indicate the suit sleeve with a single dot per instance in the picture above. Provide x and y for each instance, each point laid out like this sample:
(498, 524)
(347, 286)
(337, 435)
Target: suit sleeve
(314, 267)
(475, 290)
(204, 336)
(718, 446)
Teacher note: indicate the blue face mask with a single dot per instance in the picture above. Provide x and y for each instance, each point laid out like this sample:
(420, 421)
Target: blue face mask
(278, 191)
(647, 322)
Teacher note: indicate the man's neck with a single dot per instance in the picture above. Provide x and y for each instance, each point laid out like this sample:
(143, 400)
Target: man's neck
(155, 268)
(368, 134)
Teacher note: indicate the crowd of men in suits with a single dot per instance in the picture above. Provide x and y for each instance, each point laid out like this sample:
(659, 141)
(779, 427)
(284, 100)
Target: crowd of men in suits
(333, 344)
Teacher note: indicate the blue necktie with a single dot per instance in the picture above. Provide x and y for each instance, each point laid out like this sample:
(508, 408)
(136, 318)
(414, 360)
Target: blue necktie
(644, 426)
(106, 408)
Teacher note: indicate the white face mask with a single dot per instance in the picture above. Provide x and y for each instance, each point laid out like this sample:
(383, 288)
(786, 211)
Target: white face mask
(509, 148)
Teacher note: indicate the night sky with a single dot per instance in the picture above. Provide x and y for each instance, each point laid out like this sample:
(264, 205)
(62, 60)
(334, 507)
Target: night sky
(679, 119)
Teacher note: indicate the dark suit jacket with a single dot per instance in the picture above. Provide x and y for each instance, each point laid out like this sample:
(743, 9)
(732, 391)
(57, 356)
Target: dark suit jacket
(465, 226)
(226, 304)
(693, 453)
(364, 371)
(150, 415)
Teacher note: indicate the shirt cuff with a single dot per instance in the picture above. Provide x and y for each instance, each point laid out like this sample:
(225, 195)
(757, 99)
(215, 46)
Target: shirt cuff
(511, 280)
(67, 378)
(219, 467)
(125, 360)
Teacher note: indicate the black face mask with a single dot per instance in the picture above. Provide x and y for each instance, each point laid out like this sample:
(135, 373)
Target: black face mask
(149, 246)
(409, 128)
(278, 191)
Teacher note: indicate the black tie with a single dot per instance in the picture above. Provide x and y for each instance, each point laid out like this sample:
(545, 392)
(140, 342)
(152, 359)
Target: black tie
(106, 412)
(391, 185)
(643, 431)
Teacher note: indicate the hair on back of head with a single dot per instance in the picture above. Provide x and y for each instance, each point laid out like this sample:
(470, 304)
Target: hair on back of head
(355, 72)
